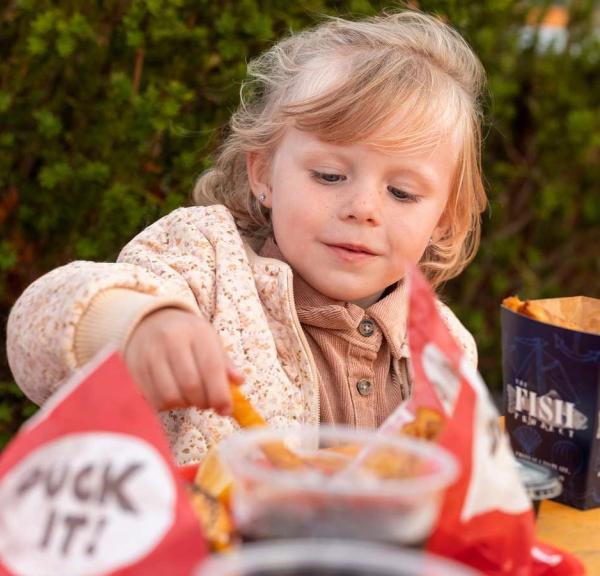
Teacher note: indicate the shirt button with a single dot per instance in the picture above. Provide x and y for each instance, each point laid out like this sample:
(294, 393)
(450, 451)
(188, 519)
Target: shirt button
(364, 386)
(366, 327)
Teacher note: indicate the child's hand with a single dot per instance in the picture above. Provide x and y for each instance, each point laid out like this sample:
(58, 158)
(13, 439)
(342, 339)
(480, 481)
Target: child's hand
(177, 360)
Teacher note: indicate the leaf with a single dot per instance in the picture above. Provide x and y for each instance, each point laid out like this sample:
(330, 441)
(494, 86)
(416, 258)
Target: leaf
(5, 101)
(48, 124)
(36, 46)
(54, 174)
(8, 256)
(65, 45)
(94, 171)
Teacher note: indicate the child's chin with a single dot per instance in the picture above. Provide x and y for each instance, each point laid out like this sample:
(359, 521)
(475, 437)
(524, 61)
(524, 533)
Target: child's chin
(345, 291)
(358, 297)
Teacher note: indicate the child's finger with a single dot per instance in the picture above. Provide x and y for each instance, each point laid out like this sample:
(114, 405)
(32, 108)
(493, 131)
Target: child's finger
(183, 366)
(235, 376)
(165, 386)
(137, 371)
(141, 377)
(213, 370)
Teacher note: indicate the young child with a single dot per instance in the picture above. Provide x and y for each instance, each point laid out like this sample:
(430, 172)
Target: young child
(354, 151)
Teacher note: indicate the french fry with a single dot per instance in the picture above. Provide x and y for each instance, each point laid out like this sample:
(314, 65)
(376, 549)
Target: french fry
(388, 463)
(213, 478)
(213, 484)
(280, 456)
(537, 312)
(214, 518)
(332, 459)
(512, 303)
(243, 412)
(427, 424)
(277, 453)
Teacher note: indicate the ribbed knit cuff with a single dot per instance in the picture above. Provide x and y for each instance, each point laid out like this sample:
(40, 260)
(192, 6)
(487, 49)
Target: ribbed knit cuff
(112, 316)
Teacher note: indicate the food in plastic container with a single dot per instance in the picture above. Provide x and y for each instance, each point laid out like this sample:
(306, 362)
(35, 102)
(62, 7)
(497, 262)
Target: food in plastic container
(393, 496)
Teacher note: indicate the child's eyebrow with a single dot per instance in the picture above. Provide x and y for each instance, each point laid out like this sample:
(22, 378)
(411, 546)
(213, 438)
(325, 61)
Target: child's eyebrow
(318, 151)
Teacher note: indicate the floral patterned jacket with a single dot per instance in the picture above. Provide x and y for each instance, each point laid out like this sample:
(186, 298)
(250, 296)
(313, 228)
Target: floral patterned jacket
(194, 259)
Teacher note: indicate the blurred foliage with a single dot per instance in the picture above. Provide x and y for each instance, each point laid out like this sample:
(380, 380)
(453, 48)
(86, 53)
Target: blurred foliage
(108, 112)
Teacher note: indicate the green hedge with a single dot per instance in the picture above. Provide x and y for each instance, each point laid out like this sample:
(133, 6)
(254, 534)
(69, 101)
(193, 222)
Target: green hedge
(108, 111)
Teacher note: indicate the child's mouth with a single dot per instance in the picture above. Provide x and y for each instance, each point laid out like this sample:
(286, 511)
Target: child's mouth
(351, 252)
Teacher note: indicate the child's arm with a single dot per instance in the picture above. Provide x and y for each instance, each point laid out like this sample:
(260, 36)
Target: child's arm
(69, 314)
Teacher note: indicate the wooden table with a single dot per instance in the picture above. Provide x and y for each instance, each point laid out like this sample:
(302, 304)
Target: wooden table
(577, 531)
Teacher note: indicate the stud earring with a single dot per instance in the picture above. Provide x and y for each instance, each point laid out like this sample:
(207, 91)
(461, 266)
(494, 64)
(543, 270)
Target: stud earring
(262, 197)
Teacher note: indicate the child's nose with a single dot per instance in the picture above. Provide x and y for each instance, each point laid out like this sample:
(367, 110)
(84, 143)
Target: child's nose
(362, 206)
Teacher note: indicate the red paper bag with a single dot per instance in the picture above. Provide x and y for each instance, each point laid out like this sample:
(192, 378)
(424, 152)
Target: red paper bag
(88, 486)
(486, 520)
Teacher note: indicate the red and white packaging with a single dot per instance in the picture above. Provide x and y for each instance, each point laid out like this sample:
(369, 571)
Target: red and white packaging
(486, 520)
(88, 486)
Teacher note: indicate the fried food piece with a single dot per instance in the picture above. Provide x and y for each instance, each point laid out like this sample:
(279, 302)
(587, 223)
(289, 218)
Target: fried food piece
(280, 456)
(331, 460)
(243, 412)
(527, 308)
(214, 518)
(512, 303)
(348, 450)
(277, 453)
(427, 424)
(213, 478)
(389, 464)
(537, 312)
(385, 462)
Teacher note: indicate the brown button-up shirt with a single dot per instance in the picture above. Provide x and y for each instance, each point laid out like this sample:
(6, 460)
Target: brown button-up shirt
(360, 354)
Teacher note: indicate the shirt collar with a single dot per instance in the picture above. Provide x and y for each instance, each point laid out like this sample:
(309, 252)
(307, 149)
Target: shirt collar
(316, 309)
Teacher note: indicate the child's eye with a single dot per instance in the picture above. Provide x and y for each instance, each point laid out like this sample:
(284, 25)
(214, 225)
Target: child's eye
(402, 195)
(328, 178)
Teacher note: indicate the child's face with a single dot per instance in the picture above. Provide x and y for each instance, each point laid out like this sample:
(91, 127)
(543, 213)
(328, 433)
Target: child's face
(348, 217)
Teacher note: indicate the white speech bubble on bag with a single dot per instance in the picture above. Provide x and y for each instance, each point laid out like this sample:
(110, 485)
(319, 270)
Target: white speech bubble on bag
(87, 503)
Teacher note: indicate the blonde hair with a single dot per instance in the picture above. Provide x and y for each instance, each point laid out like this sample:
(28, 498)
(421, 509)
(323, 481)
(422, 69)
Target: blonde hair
(397, 81)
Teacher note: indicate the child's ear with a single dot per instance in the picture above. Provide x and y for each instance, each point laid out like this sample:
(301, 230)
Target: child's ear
(258, 177)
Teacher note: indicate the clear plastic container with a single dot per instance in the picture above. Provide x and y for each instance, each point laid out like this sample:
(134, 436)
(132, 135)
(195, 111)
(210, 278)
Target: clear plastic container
(541, 483)
(390, 493)
(329, 558)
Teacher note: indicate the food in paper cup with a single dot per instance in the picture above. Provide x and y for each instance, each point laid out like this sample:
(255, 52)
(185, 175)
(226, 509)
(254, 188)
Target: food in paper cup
(533, 309)
(551, 370)
(329, 558)
(392, 496)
